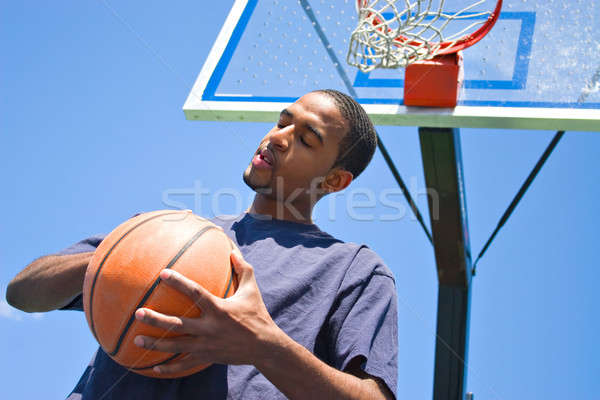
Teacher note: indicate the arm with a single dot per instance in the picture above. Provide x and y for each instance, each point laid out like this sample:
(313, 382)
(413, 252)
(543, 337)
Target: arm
(49, 282)
(239, 330)
(298, 374)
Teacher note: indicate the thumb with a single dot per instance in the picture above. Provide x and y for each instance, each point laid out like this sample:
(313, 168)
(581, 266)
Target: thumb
(243, 270)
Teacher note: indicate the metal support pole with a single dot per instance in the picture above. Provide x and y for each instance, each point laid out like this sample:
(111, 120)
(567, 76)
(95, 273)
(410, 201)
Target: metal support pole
(442, 163)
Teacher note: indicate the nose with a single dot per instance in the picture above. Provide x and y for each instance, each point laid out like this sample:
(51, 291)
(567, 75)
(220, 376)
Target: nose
(280, 138)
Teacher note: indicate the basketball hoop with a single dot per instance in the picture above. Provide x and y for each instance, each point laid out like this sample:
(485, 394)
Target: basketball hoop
(388, 36)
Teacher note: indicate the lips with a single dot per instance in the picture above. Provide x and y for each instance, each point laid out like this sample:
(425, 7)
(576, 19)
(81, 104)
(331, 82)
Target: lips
(267, 156)
(263, 159)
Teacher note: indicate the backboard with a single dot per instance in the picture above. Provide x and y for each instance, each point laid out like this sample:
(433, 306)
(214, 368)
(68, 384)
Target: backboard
(538, 68)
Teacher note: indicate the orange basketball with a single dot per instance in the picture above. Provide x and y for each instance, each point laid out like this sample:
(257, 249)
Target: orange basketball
(123, 276)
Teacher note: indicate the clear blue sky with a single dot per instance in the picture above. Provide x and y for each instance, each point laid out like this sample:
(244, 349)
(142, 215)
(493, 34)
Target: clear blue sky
(92, 132)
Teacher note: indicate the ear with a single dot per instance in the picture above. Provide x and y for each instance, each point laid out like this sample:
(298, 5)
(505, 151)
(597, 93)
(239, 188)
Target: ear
(336, 180)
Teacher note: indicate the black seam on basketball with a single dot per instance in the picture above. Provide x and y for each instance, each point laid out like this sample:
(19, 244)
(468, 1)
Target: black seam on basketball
(155, 284)
(231, 245)
(229, 284)
(92, 289)
(170, 358)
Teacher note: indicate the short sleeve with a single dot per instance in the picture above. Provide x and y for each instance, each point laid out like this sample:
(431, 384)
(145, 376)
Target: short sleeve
(364, 320)
(83, 246)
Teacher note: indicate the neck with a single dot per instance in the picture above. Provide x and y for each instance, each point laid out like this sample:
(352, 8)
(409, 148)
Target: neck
(276, 209)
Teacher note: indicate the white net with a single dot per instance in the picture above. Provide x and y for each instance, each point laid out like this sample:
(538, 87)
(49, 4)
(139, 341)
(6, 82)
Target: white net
(395, 33)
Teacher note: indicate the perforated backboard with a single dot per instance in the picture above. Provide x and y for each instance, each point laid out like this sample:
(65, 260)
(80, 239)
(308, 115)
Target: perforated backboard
(539, 67)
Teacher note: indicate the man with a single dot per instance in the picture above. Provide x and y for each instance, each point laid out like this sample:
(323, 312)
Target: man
(314, 318)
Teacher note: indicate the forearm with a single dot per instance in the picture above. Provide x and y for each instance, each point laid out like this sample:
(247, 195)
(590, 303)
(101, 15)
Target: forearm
(299, 374)
(48, 283)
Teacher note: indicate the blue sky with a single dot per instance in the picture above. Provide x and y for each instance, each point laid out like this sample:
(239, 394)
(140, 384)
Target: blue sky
(92, 131)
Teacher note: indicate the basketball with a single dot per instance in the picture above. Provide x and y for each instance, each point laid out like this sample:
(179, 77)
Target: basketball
(123, 276)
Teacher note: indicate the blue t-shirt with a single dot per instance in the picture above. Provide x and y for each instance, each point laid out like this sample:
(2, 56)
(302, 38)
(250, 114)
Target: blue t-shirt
(336, 299)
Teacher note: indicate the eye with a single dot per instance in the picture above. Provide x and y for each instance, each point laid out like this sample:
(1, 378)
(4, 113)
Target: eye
(304, 142)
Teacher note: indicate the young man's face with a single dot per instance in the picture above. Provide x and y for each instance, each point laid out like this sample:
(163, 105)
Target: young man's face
(300, 149)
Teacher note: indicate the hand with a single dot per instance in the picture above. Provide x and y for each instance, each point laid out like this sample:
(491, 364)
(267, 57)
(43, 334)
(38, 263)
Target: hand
(235, 330)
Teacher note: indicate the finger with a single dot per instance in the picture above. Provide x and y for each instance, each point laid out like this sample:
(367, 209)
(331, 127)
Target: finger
(202, 297)
(167, 322)
(243, 269)
(180, 344)
(232, 244)
(183, 364)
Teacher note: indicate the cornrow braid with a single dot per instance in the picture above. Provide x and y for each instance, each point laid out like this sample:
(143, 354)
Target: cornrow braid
(358, 146)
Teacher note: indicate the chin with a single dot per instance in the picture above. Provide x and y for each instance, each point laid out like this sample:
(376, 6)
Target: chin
(251, 181)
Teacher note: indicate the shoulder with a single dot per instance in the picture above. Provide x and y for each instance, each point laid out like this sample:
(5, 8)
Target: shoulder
(367, 269)
(225, 221)
(83, 246)
(367, 258)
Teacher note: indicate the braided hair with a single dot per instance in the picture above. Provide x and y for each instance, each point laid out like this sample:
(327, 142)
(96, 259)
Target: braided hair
(358, 146)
